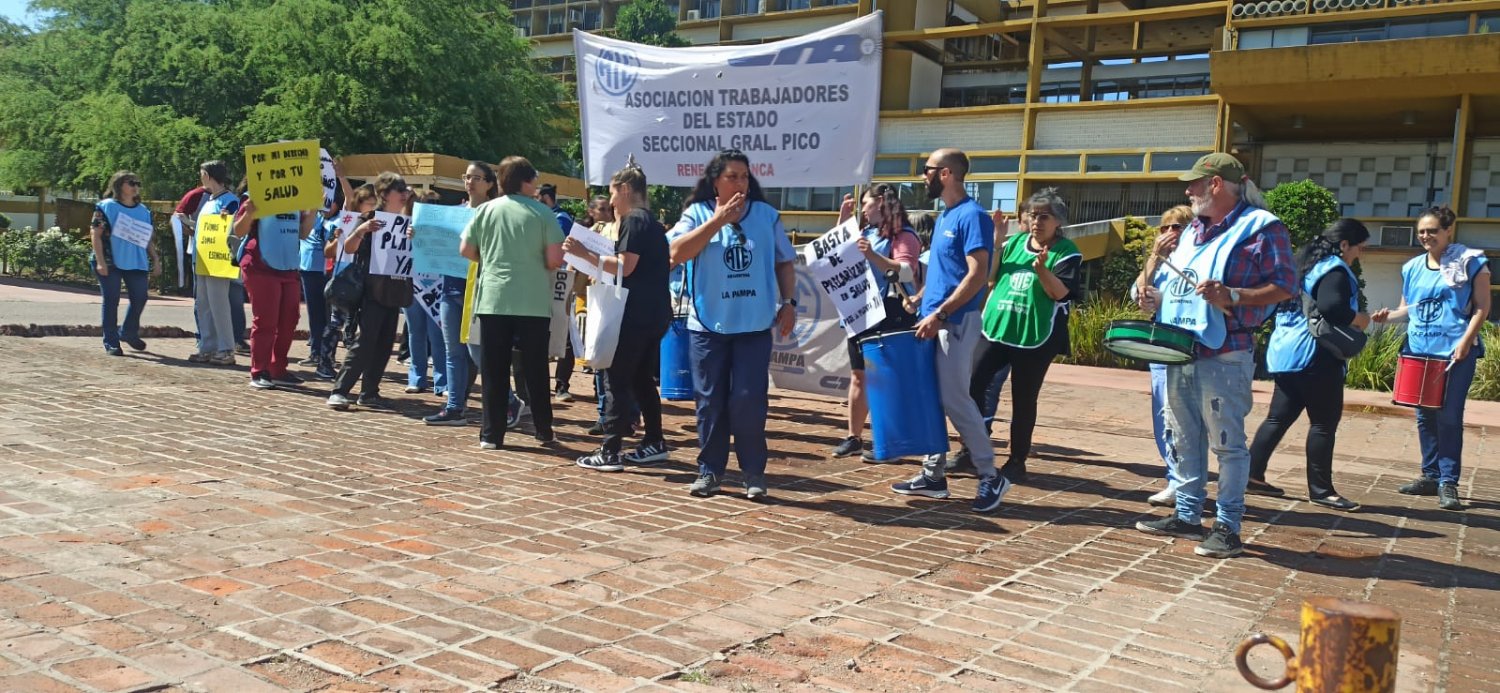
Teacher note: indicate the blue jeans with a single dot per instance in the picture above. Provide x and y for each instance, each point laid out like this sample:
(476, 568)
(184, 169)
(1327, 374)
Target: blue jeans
(317, 309)
(1159, 417)
(991, 404)
(731, 384)
(136, 284)
(1207, 402)
(426, 343)
(456, 364)
(1440, 432)
(237, 311)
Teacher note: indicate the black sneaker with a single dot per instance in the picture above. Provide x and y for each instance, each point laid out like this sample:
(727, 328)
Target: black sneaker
(517, 411)
(1171, 526)
(646, 453)
(1422, 486)
(1448, 497)
(373, 402)
(755, 487)
(991, 491)
(137, 343)
(1015, 471)
(446, 417)
(597, 429)
(242, 347)
(287, 379)
(114, 351)
(920, 485)
(309, 362)
(848, 446)
(961, 461)
(262, 382)
(1260, 487)
(706, 485)
(325, 373)
(602, 461)
(1222, 542)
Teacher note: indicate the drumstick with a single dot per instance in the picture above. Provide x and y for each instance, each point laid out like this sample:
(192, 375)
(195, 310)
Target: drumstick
(1168, 264)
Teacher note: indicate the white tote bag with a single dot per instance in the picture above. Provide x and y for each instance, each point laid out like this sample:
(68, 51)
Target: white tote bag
(606, 310)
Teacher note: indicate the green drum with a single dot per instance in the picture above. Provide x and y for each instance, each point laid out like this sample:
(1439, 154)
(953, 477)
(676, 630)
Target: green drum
(1148, 341)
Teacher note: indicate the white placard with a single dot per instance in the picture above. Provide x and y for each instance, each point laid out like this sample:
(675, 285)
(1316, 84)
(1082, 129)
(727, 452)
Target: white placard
(804, 110)
(845, 275)
(390, 254)
(330, 179)
(427, 290)
(131, 230)
(177, 246)
(814, 357)
(595, 243)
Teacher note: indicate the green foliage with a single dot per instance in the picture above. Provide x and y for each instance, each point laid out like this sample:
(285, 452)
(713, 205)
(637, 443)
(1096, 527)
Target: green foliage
(1086, 327)
(1487, 371)
(4, 222)
(1305, 207)
(650, 22)
(1121, 269)
(46, 255)
(158, 86)
(666, 203)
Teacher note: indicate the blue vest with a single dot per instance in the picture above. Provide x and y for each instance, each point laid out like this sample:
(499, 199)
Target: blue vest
(733, 284)
(883, 247)
(224, 203)
(310, 258)
(1437, 314)
(276, 238)
(1292, 347)
(1180, 306)
(126, 255)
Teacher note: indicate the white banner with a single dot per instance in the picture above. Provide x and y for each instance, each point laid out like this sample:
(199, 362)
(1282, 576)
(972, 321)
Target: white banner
(815, 357)
(391, 254)
(804, 110)
(844, 274)
(132, 230)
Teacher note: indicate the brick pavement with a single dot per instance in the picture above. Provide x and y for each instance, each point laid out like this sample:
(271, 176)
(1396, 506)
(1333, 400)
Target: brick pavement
(165, 528)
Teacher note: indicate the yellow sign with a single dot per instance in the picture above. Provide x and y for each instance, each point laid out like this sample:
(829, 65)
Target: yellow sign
(284, 177)
(468, 315)
(211, 247)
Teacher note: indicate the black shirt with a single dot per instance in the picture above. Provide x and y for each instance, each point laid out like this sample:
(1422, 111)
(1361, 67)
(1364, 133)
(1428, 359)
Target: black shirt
(649, 305)
(1060, 343)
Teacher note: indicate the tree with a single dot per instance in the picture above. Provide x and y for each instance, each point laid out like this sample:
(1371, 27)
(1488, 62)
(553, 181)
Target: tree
(1120, 270)
(158, 86)
(650, 22)
(1305, 207)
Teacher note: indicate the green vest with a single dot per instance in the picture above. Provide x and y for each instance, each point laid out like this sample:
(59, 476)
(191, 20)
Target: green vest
(1019, 312)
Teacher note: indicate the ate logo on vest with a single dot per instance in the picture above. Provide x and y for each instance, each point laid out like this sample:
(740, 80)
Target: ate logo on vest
(1428, 310)
(737, 258)
(1181, 287)
(1021, 281)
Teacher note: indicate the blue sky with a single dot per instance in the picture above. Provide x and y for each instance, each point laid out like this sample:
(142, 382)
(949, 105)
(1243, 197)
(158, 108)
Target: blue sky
(14, 10)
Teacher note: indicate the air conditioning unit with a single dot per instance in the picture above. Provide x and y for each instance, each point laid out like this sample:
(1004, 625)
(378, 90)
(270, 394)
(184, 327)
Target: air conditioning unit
(692, 15)
(1398, 236)
(523, 32)
(575, 15)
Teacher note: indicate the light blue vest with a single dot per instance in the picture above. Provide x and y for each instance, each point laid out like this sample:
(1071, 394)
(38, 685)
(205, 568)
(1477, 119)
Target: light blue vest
(278, 241)
(1292, 347)
(126, 255)
(310, 257)
(883, 247)
(1437, 314)
(733, 284)
(1180, 306)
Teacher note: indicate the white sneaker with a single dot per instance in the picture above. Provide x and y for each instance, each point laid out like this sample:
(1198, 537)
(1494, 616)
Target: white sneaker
(1164, 498)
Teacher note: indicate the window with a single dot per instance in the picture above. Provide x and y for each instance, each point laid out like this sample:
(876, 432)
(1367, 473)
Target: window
(893, 167)
(1174, 161)
(1052, 163)
(708, 9)
(1116, 163)
(806, 199)
(997, 195)
(995, 164)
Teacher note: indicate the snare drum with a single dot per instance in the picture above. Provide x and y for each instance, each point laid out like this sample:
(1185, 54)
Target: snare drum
(1421, 381)
(1148, 341)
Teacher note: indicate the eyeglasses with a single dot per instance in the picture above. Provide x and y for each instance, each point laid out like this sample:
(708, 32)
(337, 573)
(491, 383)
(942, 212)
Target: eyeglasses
(1042, 216)
(1173, 227)
(133, 183)
(468, 177)
(400, 188)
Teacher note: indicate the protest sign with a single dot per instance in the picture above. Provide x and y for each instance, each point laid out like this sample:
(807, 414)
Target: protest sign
(427, 291)
(804, 110)
(814, 358)
(390, 254)
(330, 178)
(284, 177)
(436, 230)
(595, 243)
(212, 247)
(177, 245)
(563, 305)
(132, 230)
(467, 330)
(842, 272)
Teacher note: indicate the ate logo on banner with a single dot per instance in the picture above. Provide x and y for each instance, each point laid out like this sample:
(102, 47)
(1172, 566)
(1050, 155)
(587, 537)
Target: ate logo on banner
(616, 71)
(845, 48)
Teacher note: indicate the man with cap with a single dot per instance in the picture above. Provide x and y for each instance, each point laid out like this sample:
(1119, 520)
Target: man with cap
(1236, 264)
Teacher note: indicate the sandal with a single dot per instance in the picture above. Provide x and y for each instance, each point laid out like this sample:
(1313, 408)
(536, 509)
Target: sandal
(1337, 503)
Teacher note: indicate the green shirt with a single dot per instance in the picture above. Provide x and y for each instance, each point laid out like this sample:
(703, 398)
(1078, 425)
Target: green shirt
(512, 233)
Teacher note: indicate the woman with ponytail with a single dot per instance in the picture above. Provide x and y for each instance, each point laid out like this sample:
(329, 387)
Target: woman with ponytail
(1309, 377)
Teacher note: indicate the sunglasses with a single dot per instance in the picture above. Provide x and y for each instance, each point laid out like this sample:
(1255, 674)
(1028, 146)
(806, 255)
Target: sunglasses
(929, 169)
(1173, 227)
(133, 183)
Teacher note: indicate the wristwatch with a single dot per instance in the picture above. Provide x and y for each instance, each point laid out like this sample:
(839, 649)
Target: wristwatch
(789, 302)
(1234, 297)
(942, 316)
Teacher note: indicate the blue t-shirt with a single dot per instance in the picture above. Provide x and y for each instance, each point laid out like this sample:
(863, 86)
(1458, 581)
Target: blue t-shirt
(310, 255)
(961, 229)
(564, 220)
(731, 284)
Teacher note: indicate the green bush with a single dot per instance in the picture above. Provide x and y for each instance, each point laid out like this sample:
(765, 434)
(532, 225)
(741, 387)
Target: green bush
(46, 255)
(1086, 327)
(1304, 207)
(1120, 270)
(1375, 367)
(1487, 372)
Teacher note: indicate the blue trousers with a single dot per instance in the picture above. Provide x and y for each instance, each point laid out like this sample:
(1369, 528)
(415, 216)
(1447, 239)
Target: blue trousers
(317, 309)
(237, 310)
(731, 383)
(426, 345)
(1159, 418)
(1441, 431)
(457, 363)
(136, 284)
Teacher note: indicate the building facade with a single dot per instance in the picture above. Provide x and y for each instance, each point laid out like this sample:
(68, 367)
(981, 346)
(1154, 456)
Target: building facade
(1392, 104)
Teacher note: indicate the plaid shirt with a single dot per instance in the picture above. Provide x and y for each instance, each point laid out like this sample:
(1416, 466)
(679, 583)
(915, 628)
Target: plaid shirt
(1264, 258)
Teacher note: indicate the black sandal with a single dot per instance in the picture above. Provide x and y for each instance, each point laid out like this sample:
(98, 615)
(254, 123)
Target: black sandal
(1337, 503)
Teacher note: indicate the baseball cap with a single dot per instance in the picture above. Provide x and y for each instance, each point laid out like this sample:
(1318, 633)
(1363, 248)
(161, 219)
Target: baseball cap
(1216, 164)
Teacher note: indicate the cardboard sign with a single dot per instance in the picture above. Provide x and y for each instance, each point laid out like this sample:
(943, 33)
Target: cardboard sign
(436, 230)
(132, 230)
(390, 254)
(330, 179)
(596, 243)
(177, 245)
(427, 291)
(212, 247)
(284, 177)
(842, 272)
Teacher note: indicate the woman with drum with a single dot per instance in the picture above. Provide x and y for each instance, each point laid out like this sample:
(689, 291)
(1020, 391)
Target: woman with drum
(1025, 319)
(890, 245)
(1309, 375)
(1445, 296)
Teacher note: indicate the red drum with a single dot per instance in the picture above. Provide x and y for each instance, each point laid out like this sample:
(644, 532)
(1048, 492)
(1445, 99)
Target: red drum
(1421, 381)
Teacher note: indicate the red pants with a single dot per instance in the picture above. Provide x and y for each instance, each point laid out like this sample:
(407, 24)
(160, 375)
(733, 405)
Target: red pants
(276, 300)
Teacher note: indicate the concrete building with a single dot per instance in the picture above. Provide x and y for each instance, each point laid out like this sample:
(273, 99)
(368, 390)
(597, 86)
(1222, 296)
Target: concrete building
(1392, 104)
